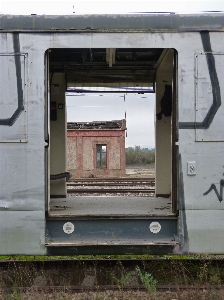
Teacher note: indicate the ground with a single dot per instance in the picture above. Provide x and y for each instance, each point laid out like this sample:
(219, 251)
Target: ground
(140, 170)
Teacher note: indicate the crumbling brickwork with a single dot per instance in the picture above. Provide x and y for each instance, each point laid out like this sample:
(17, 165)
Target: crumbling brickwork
(84, 142)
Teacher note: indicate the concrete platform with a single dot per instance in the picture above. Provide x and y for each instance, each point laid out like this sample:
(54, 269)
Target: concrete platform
(110, 206)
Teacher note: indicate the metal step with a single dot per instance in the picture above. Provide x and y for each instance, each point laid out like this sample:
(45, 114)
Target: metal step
(84, 235)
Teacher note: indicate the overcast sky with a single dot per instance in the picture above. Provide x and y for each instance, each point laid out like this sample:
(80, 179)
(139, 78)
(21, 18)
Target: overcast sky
(139, 109)
(108, 6)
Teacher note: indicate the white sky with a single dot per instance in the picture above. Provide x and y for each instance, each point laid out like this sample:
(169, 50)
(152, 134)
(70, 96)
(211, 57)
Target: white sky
(108, 6)
(140, 122)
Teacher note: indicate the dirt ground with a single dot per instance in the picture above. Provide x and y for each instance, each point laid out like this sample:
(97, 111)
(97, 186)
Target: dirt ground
(118, 295)
(141, 171)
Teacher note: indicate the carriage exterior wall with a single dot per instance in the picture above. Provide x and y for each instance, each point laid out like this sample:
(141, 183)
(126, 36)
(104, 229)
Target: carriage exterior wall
(22, 163)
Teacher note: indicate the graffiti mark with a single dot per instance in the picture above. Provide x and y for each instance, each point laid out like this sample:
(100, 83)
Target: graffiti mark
(216, 92)
(218, 194)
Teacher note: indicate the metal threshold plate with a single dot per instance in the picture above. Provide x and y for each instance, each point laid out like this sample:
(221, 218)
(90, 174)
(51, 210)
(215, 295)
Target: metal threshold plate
(112, 243)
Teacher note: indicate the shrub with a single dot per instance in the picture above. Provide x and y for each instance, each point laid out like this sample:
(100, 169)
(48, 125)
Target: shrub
(137, 156)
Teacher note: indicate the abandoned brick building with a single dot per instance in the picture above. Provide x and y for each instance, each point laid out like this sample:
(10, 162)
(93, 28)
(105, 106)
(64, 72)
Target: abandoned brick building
(96, 149)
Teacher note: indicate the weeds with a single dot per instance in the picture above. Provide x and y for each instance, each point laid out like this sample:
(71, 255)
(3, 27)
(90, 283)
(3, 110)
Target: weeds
(15, 295)
(121, 282)
(123, 279)
(147, 280)
(176, 272)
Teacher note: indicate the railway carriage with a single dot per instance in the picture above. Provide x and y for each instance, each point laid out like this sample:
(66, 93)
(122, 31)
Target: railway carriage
(177, 57)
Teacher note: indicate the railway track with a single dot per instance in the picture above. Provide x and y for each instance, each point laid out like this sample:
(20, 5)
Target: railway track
(100, 275)
(111, 191)
(104, 183)
(120, 179)
(112, 185)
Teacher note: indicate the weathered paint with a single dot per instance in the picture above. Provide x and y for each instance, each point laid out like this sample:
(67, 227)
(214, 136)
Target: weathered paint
(198, 41)
(116, 231)
(108, 23)
(58, 136)
(22, 232)
(163, 141)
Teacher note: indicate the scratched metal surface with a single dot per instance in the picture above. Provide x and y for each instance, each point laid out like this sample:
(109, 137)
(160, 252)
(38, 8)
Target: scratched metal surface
(22, 165)
(22, 232)
(145, 22)
(22, 179)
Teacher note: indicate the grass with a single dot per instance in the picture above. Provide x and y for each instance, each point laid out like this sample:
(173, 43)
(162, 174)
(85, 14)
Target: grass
(95, 257)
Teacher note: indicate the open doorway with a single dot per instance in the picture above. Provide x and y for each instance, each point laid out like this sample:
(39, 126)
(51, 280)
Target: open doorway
(141, 71)
(115, 131)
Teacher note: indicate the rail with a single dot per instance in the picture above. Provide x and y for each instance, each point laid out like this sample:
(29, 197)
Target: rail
(112, 185)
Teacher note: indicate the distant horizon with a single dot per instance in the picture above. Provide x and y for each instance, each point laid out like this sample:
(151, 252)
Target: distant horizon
(148, 148)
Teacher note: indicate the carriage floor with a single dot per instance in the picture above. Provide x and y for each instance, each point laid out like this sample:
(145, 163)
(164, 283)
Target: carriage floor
(110, 206)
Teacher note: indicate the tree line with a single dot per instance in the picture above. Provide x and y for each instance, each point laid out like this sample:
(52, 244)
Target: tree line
(136, 155)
